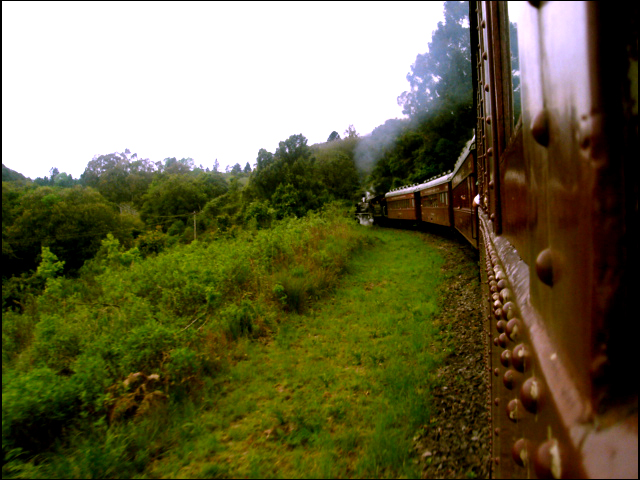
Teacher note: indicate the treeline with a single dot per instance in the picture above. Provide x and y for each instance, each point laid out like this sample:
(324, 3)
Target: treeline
(152, 205)
(439, 105)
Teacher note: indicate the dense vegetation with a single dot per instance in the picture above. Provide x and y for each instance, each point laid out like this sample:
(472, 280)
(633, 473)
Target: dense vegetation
(126, 291)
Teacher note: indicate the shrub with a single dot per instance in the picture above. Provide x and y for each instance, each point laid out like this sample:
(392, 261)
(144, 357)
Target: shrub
(36, 406)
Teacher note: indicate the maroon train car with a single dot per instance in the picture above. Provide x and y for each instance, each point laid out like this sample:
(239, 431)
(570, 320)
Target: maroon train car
(435, 200)
(556, 143)
(463, 191)
(403, 204)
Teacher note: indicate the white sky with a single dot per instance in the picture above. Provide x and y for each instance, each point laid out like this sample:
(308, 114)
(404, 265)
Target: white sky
(199, 80)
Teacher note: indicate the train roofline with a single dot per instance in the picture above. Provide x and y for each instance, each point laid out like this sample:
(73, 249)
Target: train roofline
(433, 182)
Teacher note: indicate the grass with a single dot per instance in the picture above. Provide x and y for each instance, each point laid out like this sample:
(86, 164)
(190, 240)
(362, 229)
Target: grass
(335, 384)
(340, 389)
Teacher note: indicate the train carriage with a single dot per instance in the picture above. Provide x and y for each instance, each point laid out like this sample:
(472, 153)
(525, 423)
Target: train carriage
(435, 200)
(556, 138)
(403, 204)
(463, 191)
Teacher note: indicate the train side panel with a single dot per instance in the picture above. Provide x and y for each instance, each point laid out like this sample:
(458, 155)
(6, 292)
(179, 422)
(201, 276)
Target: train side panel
(463, 190)
(435, 204)
(402, 207)
(558, 234)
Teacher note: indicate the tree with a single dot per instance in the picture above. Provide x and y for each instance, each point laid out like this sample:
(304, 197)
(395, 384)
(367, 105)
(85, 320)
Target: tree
(236, 168)
(120, 177)
(216, 166)
(336, 168)
(351, 132)
(291, 169)
(441, 77)
(176, 167)
(333, 136)
(171, 196)
(70, 221)
(247, 168)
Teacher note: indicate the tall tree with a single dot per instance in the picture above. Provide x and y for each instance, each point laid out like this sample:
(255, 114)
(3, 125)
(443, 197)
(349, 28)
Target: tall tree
(71, 221)
(441, 77)
(333, 136)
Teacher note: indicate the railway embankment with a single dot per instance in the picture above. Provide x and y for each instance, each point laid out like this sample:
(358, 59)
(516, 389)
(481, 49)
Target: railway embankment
(371, 369)
(381, 379)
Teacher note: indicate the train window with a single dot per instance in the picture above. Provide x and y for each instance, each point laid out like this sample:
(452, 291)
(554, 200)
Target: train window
(514, 10)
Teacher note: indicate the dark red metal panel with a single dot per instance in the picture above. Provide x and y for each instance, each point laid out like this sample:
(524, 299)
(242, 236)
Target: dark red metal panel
(402, 207)
(462, 193)
(559, 236)
(435, 204)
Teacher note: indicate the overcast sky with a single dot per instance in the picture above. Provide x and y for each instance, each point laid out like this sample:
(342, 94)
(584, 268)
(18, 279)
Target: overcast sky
(199, 80)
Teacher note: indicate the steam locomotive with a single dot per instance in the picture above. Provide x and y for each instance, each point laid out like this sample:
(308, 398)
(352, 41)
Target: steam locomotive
(547, 191)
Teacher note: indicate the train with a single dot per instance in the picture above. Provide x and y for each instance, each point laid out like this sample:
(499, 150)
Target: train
(547, 192)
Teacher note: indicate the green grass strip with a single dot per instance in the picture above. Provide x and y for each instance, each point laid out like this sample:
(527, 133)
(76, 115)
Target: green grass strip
(339, 391)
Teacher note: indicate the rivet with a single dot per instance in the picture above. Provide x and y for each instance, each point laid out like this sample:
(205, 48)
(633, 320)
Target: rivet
(495, 341)
(521, 357)
(545, 267)
(496, 460)
(530, 394)
(548, 461)
(513, 328)
(505, 358)
(505, 294)
(501, 325)
(509, 309)
(496, 372)
(503, 284)
(486, 87)
(484, 55)
(496, 401)
(488, 120)
(540, 128)
(515, 411)
(491, 184)
(498, 312)
(509, 378)
(502, 340)
(493, 217)
(497, 432)
(501, 275)
(521, 452)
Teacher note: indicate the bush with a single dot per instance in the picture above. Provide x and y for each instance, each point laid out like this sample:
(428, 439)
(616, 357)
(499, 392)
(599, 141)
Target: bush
(36, 406)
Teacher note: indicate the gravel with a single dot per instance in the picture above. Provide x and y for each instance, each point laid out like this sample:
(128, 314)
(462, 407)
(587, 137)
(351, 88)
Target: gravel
(455, 442)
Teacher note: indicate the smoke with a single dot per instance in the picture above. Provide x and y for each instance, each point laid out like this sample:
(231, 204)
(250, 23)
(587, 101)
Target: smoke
(373, 146)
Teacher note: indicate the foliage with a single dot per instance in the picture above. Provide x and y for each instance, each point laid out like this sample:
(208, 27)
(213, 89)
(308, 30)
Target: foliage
(176, 195)
(333, 136)
(440, 106)
(441, 77)
(9, 175)
(69, 221)
(169, 315)
(120, 177)
(336, 168)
